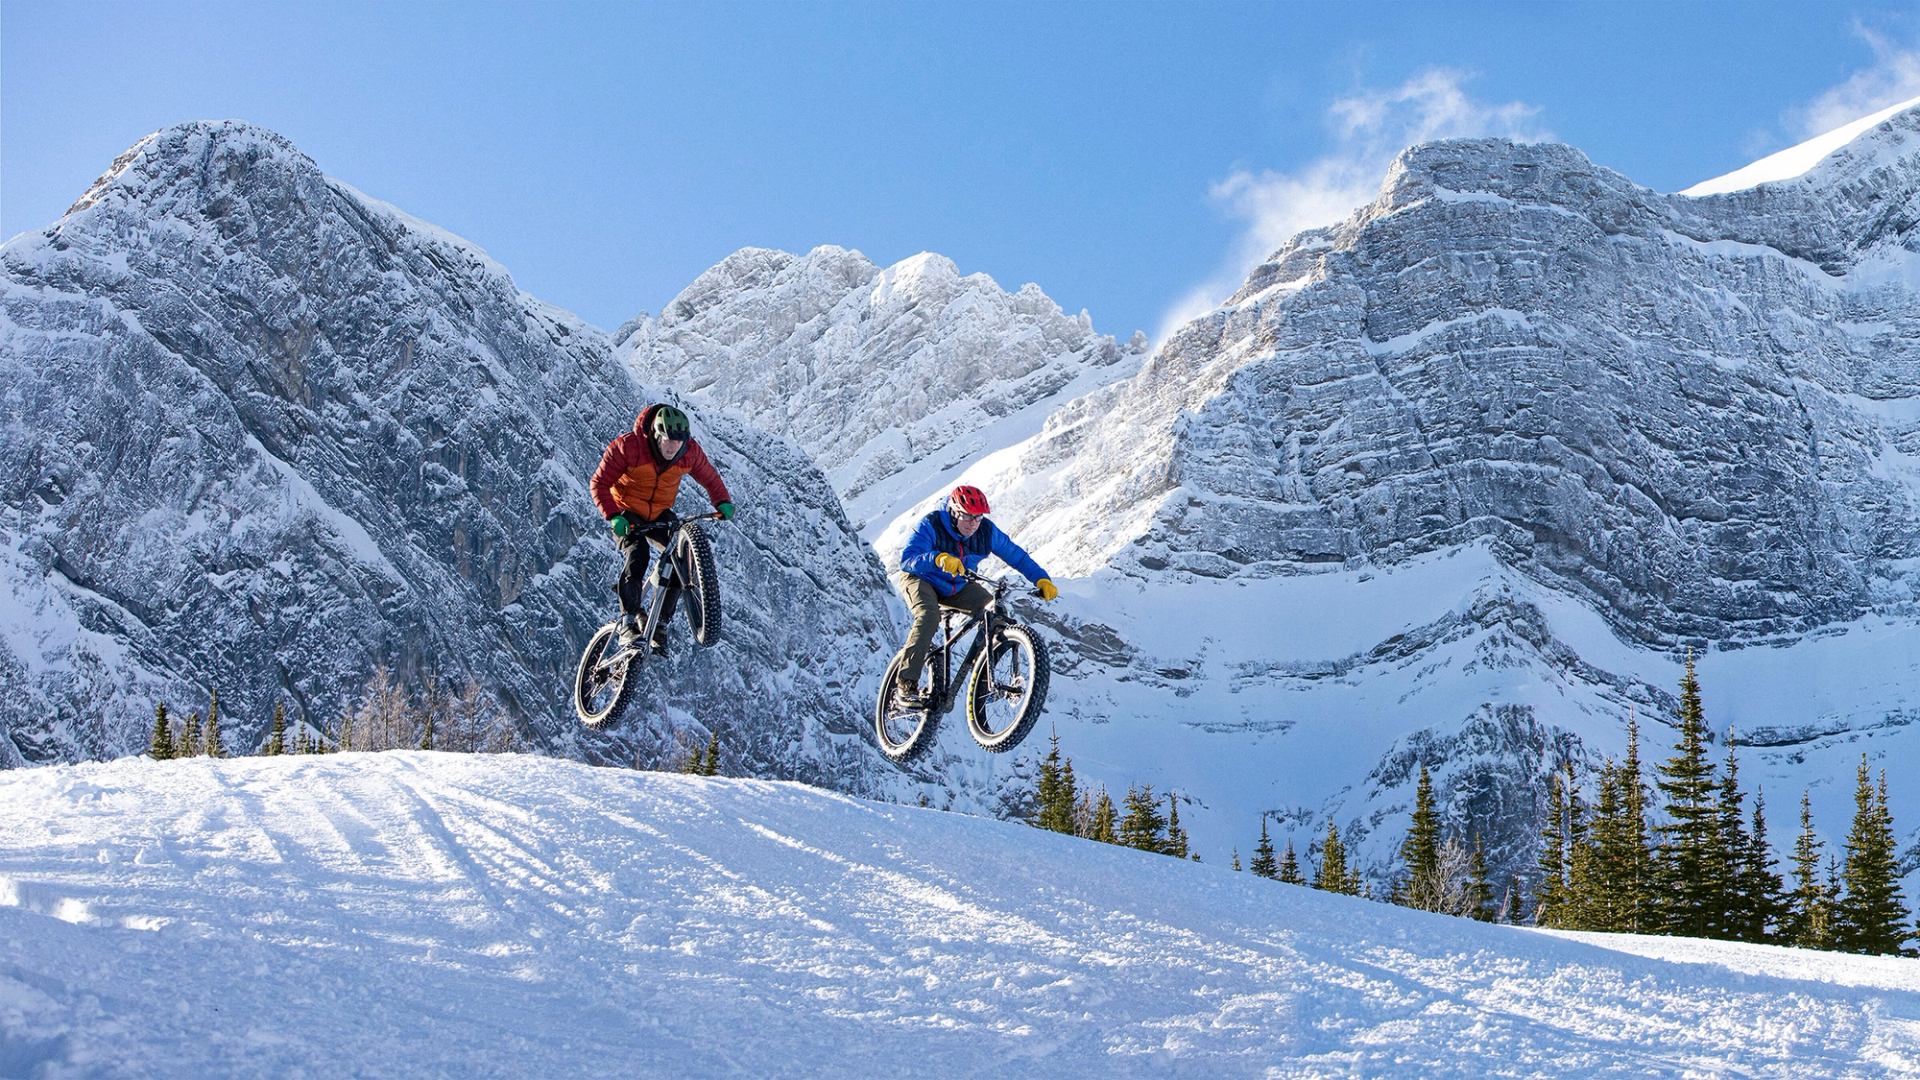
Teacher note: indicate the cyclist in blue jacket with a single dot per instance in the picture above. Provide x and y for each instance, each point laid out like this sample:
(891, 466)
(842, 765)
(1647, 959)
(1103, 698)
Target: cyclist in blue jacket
(949, 542)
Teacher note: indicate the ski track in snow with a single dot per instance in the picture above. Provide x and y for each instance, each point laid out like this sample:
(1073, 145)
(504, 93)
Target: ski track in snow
(414, 913)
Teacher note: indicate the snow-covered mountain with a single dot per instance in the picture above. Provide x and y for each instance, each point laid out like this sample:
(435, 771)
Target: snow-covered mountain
(413, 914)
(1459, 480)
(263, 432)
(893, 380)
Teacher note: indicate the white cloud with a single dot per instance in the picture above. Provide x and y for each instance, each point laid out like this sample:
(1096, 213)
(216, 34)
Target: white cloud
(1367, 130)
(1893, 77)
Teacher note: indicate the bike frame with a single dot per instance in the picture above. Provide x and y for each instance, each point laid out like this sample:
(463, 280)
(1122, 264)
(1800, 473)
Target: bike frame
(665, 570)
(954, 624)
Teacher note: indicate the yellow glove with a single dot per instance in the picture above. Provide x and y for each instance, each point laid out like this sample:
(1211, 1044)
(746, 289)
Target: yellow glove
(1047, 588)
(950, 563)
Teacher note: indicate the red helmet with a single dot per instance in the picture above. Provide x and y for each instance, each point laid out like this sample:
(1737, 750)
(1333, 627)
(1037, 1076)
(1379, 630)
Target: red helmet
(968, 499)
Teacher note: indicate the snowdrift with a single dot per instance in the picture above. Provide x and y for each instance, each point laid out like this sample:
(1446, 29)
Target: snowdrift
(429, 914)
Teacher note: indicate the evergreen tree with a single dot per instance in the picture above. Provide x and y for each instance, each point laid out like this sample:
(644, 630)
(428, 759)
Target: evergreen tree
(277, 737)
(1055, 799)
(1100, 822)
(711, 766)
(1688, 863)
(1551, 896)
(1176, 842)
(1630, 859)
(1236, 859)
(1334, 876)
(160, 745)
(215, 749)
(1871, 916)
(1143, 826)
(1479, 889)
(1737, 907)
(1420, 852)
(1263, 864)
(1596, 891)
(1290, 867)
(1809, 915)
(188, 742)
(1760, 884)
(426, 730)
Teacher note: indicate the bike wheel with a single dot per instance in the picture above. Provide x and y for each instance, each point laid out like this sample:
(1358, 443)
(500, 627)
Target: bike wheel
(600, 690)
(1006, 689)
(904, 734)
(702, 582)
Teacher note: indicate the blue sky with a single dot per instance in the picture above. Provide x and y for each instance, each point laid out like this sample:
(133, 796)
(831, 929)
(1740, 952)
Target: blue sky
(1132, 158)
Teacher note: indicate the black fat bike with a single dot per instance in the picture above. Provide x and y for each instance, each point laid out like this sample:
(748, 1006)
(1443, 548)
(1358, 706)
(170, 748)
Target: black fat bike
(683, 558)
(1005, 680)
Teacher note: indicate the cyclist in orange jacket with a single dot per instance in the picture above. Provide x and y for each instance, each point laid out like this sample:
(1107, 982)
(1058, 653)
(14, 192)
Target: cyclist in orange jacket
(638, 478)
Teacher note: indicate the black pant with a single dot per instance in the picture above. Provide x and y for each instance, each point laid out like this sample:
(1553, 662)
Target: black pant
(638, 547)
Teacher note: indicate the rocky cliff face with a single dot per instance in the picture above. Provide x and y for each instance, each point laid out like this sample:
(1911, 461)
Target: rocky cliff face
(893, 380)
(1636, 397)
(263, 433)
(1629, 422)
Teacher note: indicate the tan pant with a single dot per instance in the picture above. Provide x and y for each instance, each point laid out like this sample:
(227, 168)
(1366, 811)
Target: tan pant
(925, 602)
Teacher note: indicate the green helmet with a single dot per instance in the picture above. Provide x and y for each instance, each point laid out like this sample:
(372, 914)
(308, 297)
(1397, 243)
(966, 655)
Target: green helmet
(671, 423)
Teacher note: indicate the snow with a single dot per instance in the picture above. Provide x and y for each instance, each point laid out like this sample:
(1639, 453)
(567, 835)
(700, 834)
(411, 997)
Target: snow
(1797, 160)
(426, 914)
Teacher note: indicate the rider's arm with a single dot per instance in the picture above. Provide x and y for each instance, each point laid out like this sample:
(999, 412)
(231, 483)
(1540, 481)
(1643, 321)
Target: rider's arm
(1016, 556)
(917, 556)
(612, 464)
(702, 470)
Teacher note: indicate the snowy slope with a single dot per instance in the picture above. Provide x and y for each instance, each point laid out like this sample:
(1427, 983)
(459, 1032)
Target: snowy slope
(419, 914)
(1796, 160)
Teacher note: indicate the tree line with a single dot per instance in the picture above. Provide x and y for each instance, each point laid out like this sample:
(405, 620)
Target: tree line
(387, 716)
(1705, 868)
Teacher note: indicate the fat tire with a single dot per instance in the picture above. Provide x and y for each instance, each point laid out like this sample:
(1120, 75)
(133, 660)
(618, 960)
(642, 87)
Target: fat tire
(979, 677)
(597, 646)
(917, 741)
(702, 580)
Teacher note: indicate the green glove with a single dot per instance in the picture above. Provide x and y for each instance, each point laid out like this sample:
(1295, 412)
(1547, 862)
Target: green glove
(618, 522)
(726, 511)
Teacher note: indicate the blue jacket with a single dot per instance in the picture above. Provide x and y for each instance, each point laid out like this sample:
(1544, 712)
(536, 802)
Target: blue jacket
(936, 534)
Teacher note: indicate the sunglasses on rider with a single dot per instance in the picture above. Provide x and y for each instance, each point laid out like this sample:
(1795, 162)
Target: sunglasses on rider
(959, 515)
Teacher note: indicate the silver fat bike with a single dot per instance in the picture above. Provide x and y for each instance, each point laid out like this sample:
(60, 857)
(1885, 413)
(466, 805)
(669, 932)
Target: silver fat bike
(1004, 671)
(683, 558)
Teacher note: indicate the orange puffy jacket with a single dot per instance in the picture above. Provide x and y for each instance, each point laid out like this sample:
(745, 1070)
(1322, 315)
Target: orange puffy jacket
(633, 476)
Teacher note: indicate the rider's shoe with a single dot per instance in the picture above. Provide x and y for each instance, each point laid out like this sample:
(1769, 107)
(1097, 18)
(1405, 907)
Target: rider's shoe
(660, 646)
(908, 697)
(629, 631)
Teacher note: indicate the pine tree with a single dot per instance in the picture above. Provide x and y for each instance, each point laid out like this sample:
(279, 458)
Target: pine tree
(1263, 864)
(426, 730)
(1688, 864)
(1055, 799)
(1420, 851)
(277, 737)
(160, 745)
(1290, 867)
(1760, 884)
(189, 736)
(1551, 896)
(1736, 907)
(1872, 916)
(1809, 914)
(1480, 890)
(1143, 826)
(215, 749)
(1100, 823)
(1333, 876)
(1176, 842)
(1631, 859)
(711, 766)
(1594, 877)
